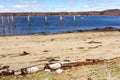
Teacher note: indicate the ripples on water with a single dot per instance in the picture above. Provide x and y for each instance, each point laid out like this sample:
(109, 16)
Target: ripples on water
(38, 25)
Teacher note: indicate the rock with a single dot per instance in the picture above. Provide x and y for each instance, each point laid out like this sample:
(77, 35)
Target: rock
(59, 70)
(55, 66)
(33, 69)
(47, 70)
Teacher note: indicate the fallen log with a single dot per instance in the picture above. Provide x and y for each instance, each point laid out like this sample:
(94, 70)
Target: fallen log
(73, 64)
(89, 62)
(7, 73)
(58, 67)
(25, 71)
(95, 60)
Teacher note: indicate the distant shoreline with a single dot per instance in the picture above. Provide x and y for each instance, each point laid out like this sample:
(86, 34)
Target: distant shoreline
(112, 12)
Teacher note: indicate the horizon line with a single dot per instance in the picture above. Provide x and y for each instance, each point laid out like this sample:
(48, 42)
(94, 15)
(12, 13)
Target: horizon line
(58, 11)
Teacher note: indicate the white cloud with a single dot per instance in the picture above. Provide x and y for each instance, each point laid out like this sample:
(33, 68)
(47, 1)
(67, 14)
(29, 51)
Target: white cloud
(38, 9)
(1, 6)
(86, 7)
(71, 2)
(34, 1)
(60, 9)
(28, 2)
(18, 6)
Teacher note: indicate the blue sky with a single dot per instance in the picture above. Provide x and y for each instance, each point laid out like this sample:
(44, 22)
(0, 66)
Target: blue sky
(57, 5)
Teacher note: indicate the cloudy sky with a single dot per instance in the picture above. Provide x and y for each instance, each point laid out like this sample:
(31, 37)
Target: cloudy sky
(57, 5)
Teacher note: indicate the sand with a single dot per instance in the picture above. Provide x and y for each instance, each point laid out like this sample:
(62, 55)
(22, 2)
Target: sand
(66, 46)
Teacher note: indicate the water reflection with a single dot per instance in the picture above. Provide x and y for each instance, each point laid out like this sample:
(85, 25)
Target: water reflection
(61, 22)
(74, 22)
(3, 28)
(3, 25)
(8, 21)
(46, 23)
(46, 20)
(13, 25)
(29, 25)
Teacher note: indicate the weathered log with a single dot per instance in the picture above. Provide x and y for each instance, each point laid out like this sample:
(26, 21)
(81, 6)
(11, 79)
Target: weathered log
(25, 71)
(73, 64)
(95, 60)
(89, 63)
(7, 73)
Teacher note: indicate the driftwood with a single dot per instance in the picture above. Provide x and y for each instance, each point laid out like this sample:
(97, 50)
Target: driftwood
(68, 65)
(7, 72)
(95, 60)
(58, 67)
(94, 47)
(73, 64)
(81, 63)
(93, 42)
(4, 67)
(25, 71)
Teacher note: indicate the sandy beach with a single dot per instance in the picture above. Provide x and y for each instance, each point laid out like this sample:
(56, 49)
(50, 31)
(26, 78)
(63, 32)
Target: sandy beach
(65, 46)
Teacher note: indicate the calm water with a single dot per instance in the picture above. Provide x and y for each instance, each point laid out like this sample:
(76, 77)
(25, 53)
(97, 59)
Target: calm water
(54, 25)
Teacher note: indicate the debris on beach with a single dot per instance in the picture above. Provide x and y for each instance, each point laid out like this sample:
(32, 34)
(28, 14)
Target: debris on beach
(93, 42)
(66, 60)
(55, 66)
(2, 55)
(24, 53)
(5, 71)
(59, 70)
(80, 47)
(94, 47)
(46, 51)
(25, 71)
(106, 29)
(4, 67)
(51, 68)
(52, 59)
(47, 70)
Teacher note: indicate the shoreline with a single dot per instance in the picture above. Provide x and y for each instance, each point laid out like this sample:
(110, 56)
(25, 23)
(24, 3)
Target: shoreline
(106, 29)
(66, 46)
